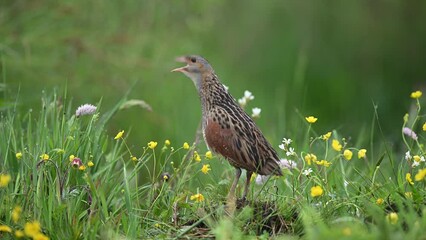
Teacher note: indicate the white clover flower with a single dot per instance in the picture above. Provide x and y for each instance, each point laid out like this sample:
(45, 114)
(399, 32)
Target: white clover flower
(261, 179)
(345, 183)
(256, 112)
(242, 102)
(306, 172)
(248, 95)
(415, 164)
(417, 160)
(86, 109)
(317, 205)
(290, 152)
(407, 156)
(281, 146)
(287, 141)
(226, 87)
(289, 164)
(407, 131)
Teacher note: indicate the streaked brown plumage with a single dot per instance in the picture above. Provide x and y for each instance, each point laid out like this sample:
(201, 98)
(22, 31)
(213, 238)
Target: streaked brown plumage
(227, 129)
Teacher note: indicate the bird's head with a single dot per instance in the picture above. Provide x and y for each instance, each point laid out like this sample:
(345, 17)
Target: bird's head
(196, 68)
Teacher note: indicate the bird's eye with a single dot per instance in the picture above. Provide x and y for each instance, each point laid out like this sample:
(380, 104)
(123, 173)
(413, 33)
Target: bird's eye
(193, 59)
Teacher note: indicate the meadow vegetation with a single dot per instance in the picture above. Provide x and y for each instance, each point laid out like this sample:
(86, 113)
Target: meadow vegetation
(63, 177)
(332, 85)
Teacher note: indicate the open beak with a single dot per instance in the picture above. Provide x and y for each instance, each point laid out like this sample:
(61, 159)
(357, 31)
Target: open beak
(181, 69)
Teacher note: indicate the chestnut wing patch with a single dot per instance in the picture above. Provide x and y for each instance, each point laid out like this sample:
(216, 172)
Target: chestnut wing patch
(219, 140)
(235, 136)
(230, 145)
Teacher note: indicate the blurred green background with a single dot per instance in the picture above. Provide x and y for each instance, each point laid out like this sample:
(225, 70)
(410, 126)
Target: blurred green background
(330, 59)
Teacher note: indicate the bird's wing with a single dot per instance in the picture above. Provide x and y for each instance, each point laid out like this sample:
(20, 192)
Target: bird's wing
(241, 141)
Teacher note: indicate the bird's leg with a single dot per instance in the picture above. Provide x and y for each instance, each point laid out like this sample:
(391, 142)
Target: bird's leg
(232, 199)
(234, 184)
(249, 174)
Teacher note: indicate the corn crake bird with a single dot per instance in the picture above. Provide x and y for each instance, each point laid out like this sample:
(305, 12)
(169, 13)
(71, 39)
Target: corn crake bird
(227, 129)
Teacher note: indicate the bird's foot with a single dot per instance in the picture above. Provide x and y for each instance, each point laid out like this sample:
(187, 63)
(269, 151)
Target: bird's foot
(242, 202)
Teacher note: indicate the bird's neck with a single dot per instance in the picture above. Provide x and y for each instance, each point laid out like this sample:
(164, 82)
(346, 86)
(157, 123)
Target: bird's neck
(211, 92)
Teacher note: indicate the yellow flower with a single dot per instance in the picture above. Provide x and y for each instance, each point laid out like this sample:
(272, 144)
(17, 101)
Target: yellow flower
(316, 191)
(16, 213)
(90, 164)
(82, 168)
(152, 144)
(361, 153)
(253, 177)
(392, 217)
(31, 229)
(119, 135)
(408, 178)
(133, 158)
(185, 145)
(19, 234)
(311, 119)
(197, 197)
(380, 201)
(18, 155)
(416, 158)
(157, 225)
(424, 126)
(309, 158)
(326, 136)
(336, 145)
(206, 168)
(4, 180)
(167, 142)
(416, 94)
(420, 175)
(5, 228)
(72, 158)
(409, 194)
(347, 231)
(197, 156)
(324, 163)
(209, 155)
(347, 154)
(44, 157)
(165, 177)
(40, 236)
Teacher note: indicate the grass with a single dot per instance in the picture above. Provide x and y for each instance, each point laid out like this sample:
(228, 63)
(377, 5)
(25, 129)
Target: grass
(157, 189)
(291, 54)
